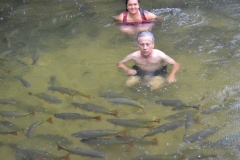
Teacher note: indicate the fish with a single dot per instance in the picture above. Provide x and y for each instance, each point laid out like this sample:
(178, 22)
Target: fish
(7, 101)
(176, 103)
(52, 81)
(11, 126)
(129, 123)
(53, 138)
(48, 98)
(22, 63)
(94, 108)
(213, 109)
(226, 141)
(127, 102)
(24, 82)
(96, 133)
(199, 136)
(189, 121)
(138, 141)
(30, 108)
(83, 151)
(159, 157)
(4, 132)
(74, 116)
(202, 156)
(105, 141)
(165, 127)
(27, 153)
(146, 120)
(31, 129)
(14, 114)
(68, 91)
(35, 58)
(6, 78)
(180, 114)
(110, 94)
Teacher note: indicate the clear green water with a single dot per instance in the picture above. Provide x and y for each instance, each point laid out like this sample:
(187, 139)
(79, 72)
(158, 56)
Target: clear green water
(79, 44)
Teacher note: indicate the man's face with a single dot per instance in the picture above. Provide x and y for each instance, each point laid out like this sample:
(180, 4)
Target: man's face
(145, 45)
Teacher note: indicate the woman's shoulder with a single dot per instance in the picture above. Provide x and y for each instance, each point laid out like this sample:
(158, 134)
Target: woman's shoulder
(120, 17)
(149, 15)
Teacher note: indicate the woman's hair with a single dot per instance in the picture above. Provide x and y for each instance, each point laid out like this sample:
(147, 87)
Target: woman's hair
(127, 3)
(145, 33)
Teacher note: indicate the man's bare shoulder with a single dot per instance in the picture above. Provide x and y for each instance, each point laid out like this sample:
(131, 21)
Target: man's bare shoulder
(158, 53)
(135, 54)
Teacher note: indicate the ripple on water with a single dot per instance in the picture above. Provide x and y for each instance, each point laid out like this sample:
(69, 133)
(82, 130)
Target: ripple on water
(179, 17)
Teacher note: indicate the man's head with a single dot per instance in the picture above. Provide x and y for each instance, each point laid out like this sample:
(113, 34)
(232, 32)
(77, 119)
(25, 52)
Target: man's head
(145, 42)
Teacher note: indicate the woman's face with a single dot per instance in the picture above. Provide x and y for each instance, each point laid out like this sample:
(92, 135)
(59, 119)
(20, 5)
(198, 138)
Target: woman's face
(132, 6)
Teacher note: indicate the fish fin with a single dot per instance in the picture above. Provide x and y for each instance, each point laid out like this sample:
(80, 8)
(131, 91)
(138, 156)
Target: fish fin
(59, 147)
(49, 120)
(136, 99)
(98, 118)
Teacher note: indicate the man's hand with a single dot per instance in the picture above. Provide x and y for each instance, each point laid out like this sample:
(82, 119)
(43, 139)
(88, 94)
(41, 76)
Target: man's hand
(171, 79)
(131, 72)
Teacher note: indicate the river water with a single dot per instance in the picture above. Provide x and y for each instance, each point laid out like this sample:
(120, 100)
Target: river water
(78, 43)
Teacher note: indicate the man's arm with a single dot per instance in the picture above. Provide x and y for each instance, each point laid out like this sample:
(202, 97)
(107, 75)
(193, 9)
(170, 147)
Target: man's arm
(171, 78)
(124, 67)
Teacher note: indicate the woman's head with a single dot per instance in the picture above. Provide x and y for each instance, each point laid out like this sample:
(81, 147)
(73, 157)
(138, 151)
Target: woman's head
(131, 2)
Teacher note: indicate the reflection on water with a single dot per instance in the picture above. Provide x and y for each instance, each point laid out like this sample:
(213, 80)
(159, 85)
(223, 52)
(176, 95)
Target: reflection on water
(76, 45)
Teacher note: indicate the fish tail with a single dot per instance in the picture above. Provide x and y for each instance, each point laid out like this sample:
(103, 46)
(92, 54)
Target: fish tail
(49, 120)
(114, 112)
(98, 118)
(14, 133)
(88, 96)
(66, 157)
(196, 120)
(123, 134)
(157, 120)
(150, 127)
(32, 113)
(130, 143)
(196, 107)
(155, 142)
(40, 158)
(144, 110)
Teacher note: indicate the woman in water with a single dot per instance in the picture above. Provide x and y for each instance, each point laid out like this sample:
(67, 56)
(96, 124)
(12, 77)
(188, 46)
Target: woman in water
(134, 19)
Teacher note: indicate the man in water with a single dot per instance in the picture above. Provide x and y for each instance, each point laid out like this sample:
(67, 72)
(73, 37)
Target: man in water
(149, 63)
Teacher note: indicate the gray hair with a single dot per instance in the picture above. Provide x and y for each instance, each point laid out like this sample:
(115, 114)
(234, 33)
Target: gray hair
(144, 34)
